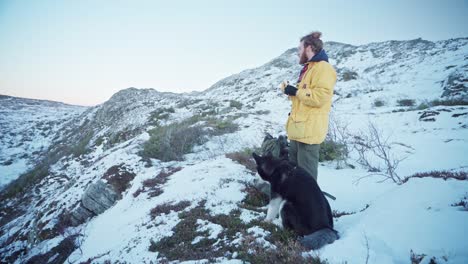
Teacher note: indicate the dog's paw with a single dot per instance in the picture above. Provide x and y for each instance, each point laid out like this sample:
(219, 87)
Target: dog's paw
(269, 219)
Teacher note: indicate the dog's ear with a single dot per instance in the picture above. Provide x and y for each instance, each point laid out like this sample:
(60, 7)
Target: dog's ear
(260, 167)
(257, 158)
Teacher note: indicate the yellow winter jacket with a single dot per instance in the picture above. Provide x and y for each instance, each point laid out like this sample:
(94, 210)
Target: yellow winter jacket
(308, 120)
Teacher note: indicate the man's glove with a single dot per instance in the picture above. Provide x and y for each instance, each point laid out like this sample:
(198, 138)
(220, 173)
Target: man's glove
(283, 85)
(290, 90)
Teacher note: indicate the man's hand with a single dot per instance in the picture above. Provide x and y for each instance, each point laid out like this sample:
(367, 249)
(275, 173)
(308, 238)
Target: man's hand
(290, 90)
(283, 85)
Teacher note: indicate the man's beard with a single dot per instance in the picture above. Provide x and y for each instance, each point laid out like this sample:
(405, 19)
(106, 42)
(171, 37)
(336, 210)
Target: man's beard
(303, 58)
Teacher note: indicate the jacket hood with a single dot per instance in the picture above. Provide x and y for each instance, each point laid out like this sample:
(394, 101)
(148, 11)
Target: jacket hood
(321, 56)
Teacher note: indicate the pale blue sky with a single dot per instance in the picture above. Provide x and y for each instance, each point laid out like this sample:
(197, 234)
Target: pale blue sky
(81, 52)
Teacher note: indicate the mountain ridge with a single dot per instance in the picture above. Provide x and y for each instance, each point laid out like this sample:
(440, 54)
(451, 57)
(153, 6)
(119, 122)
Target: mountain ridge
(104, 143)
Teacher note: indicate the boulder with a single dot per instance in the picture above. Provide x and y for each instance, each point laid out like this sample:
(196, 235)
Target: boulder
(97, 198)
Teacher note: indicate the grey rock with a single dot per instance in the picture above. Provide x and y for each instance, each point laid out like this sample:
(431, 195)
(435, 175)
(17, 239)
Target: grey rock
(456, 84)
(97, 198)
(80, 215)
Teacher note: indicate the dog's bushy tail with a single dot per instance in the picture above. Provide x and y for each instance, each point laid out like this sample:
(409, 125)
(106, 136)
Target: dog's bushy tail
(319, 238)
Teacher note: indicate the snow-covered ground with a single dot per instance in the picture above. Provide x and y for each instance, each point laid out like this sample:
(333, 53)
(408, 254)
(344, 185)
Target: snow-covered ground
(414, 216)
(27, 128)
(382, 222)
(417, 215)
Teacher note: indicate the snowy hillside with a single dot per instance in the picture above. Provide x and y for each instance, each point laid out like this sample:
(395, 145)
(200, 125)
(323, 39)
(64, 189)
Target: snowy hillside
(150, 177)
(27, 128)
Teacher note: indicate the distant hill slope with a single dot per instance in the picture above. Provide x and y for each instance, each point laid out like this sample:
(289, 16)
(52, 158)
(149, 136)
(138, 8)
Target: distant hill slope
(27, 128)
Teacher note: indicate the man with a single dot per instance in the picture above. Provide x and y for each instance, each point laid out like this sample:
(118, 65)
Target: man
(307, 125)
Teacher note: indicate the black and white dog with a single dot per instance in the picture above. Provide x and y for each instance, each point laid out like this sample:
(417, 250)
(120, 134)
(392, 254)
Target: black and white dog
(297, 198)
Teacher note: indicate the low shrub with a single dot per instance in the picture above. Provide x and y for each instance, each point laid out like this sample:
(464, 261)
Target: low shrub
(439, 102)
(235, 104)
(7, 163)
(179, 246)
(349, 75)
(460, 175)
(378, 103)
(285, 252)
(26, 180)
(172, 142)
(338, 214)
(153, 185)
(422, 106)
(99, 141)
(160, 114)
(406, 102)
(245, 158)
(448, 102)
(262, 112)
(160, 179)
(57, 254)
(119, 177)
(463, 203)
(82, 146)
(220, 126)
(331, 150)
(254, 197)
(167, 208)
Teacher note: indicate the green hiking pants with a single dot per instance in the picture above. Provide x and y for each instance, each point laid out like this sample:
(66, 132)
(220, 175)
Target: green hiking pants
(305, 155)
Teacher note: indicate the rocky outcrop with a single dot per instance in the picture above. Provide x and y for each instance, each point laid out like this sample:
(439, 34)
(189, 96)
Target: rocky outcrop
(97, 198)
(456, 84)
